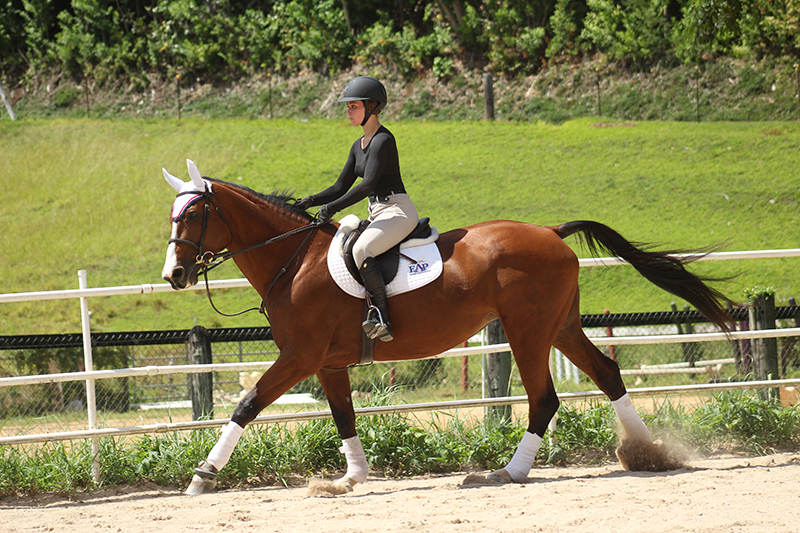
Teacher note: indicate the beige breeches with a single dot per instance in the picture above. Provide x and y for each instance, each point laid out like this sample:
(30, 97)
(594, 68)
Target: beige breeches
(391, 222)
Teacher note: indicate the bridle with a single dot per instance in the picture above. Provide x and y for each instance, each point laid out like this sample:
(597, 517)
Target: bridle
(209, 260)
(208, 201)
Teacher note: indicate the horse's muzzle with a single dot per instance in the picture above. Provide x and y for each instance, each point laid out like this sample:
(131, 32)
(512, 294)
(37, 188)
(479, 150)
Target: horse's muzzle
(181, 278)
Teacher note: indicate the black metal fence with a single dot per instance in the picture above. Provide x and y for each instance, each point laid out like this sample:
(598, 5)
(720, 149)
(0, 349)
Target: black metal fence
(157, 398)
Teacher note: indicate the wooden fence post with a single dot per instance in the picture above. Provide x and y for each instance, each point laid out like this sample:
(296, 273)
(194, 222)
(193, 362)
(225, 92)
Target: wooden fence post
(488, 95)
(765, 351)
(498, 372)
(597, 79)
(697, 91)
(178, 93)
(201, 385)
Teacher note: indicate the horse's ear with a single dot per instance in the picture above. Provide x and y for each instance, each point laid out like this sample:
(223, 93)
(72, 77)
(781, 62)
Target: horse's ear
(194, 173)
(172, 180)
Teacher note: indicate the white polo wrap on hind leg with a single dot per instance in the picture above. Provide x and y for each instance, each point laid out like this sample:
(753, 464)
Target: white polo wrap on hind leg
(523, 458)
(357, 467)
(223, 449)
(631, 422)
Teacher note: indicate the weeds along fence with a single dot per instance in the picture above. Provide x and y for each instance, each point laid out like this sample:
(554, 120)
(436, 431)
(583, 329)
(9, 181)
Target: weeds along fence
(156, 381)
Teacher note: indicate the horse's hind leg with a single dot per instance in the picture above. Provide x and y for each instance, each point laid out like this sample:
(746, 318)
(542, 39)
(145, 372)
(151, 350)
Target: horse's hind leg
(574, 344)
(336, 384)
(637, 451)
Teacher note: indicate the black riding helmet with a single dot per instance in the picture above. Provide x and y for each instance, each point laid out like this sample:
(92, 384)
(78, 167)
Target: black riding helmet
(366, 89)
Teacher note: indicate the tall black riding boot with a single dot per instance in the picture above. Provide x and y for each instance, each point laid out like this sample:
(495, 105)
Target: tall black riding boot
(377, 322)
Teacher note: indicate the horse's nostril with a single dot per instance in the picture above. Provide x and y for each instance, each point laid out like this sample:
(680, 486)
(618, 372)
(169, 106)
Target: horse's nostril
(177, 278)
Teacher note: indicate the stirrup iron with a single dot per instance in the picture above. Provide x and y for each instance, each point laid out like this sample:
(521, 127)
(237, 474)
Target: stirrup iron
(375, 327)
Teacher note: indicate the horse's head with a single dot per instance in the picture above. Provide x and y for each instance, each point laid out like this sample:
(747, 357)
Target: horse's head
(197, 230)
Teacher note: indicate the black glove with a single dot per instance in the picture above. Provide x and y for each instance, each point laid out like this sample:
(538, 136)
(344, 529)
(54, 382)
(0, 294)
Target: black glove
(325, 214)
(304, 203)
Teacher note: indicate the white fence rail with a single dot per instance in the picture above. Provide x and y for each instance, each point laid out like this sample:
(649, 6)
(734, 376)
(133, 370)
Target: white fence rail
(83, 293)
(391, 409)
(148, 288)
(455, 352)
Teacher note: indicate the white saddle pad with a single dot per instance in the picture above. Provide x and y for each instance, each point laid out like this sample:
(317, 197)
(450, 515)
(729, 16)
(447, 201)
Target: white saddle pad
(411, 275)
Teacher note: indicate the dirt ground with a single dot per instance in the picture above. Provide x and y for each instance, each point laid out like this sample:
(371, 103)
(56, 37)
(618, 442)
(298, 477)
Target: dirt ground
(728, 494)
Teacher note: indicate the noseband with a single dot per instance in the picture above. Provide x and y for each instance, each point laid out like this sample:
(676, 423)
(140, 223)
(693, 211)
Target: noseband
(209, 260)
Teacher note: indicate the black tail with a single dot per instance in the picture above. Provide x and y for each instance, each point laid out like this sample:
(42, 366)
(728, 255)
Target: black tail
(661, 268)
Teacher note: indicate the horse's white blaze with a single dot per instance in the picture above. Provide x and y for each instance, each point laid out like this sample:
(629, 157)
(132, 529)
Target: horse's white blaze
(172, 259)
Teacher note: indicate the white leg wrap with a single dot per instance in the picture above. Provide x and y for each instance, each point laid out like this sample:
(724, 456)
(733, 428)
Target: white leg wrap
(523, 458)
(223, 449)
(357, 467)
(632, 424)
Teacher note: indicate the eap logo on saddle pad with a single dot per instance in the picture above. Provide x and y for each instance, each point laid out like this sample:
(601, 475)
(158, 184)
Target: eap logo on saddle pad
(419, 265)
(418, 268)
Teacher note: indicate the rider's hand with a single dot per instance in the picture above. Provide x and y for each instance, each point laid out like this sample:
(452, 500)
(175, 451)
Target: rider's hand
(304, 203)
(325, 214)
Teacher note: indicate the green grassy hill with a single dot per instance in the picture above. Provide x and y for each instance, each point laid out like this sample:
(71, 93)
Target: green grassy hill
(88, 194)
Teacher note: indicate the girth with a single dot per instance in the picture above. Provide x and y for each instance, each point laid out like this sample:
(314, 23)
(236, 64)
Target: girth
(389, 260)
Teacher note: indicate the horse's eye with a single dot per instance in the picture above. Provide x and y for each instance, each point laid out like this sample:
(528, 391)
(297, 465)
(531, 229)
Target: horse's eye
(193, 215)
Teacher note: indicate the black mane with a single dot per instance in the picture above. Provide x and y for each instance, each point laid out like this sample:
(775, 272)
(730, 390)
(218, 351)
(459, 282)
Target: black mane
(284, 199)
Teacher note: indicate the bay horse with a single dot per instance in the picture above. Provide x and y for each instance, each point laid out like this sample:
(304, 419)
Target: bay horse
(522, 274)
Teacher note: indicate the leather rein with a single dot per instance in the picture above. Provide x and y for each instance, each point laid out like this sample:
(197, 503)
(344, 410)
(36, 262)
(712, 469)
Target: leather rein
(209, 260)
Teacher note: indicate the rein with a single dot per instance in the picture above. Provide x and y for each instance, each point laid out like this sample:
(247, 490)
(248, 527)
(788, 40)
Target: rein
(209, 260)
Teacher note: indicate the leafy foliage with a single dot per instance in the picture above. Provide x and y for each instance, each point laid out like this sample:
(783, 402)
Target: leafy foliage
(736, 420)
(122, 41)
(397, 445)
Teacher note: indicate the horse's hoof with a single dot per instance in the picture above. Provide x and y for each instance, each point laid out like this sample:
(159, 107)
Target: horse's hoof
(344, 485)
(203, 482)
(500, 476)
(641, 456)
(328, 489)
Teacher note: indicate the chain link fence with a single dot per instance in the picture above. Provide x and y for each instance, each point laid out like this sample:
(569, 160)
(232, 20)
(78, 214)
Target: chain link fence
(152, 399)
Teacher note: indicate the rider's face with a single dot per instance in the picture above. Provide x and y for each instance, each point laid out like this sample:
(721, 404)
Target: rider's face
(355, 112)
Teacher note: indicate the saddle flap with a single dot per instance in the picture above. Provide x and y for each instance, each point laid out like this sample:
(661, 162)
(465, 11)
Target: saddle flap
(347, 248)
(420, 263)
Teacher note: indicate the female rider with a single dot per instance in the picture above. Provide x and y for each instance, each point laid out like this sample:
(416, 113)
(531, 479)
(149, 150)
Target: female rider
(392, 215)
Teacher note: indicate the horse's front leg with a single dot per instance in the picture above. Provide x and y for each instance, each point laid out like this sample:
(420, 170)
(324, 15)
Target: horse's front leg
(531, 351)
(336, 384)
(276, 381)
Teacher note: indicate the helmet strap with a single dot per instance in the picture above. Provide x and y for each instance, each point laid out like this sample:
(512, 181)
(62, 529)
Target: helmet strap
(367, 112)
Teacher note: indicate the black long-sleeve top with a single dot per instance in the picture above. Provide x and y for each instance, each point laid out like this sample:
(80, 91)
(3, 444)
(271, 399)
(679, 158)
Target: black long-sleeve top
(378, 164)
